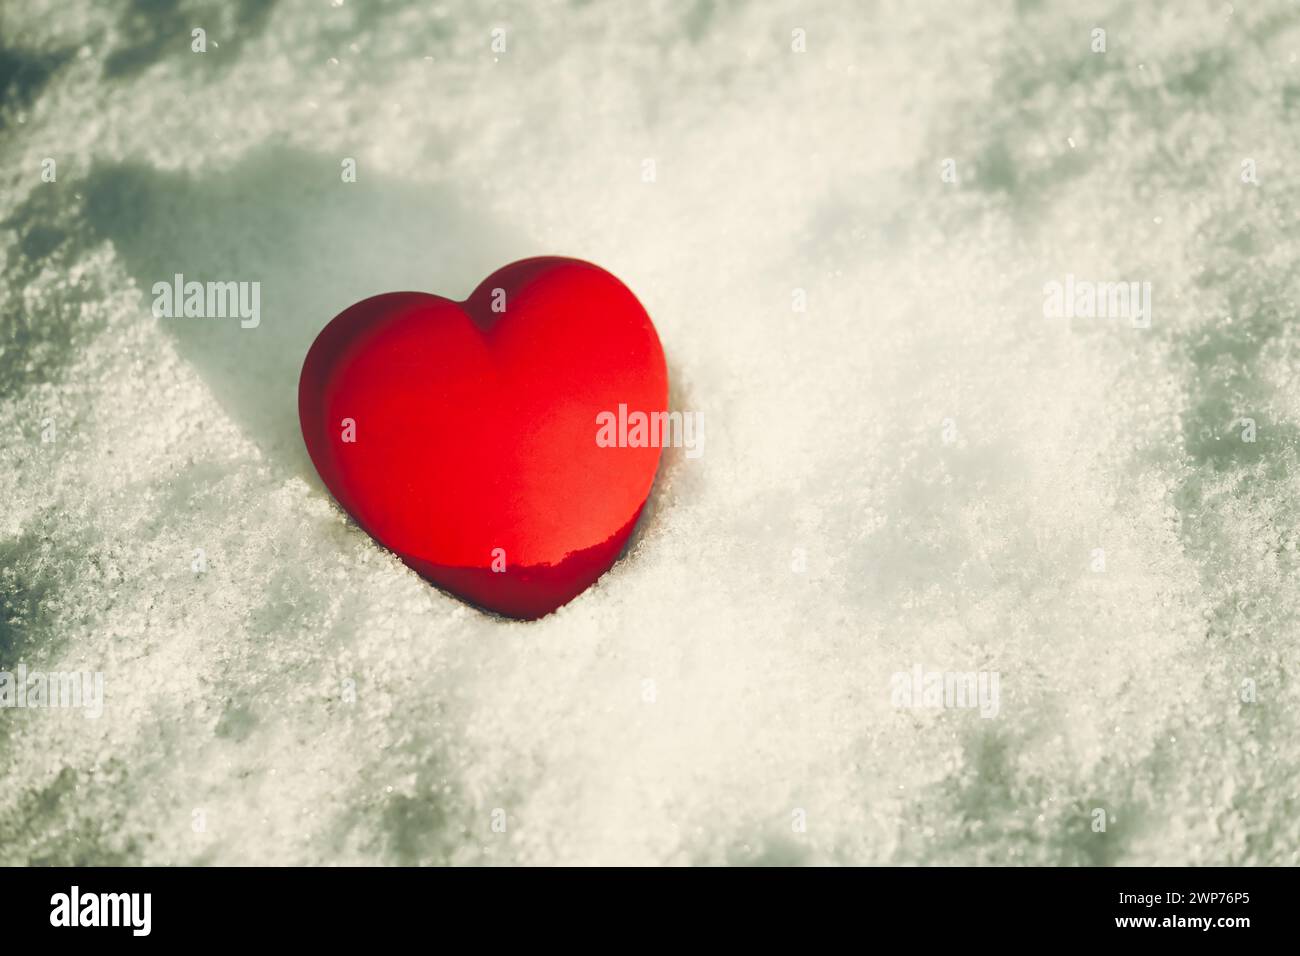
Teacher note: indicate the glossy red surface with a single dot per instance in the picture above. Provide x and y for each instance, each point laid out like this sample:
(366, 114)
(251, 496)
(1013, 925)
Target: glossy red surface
(475, 430)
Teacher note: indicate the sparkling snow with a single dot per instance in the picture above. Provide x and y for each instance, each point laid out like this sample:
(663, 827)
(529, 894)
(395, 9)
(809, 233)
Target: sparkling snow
(919, 469)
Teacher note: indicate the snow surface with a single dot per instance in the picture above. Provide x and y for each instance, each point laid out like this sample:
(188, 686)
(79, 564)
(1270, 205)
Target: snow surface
(705, 690)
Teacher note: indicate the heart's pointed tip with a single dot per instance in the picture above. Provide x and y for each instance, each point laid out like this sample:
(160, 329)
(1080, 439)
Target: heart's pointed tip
(528, 592)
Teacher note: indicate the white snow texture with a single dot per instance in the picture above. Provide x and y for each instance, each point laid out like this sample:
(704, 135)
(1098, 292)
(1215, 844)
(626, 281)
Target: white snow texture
(921, 469)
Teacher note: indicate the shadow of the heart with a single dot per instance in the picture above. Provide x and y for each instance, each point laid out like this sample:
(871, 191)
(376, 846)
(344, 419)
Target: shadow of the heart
(285, 218)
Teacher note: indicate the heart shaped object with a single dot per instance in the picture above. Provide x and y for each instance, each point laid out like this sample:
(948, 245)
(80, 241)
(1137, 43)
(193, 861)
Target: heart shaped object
(463, 435)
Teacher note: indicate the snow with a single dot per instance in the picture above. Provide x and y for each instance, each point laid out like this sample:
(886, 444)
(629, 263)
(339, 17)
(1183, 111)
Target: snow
(938, 459)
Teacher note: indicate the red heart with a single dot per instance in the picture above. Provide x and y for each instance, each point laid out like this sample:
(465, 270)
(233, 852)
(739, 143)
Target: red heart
(474, 424)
